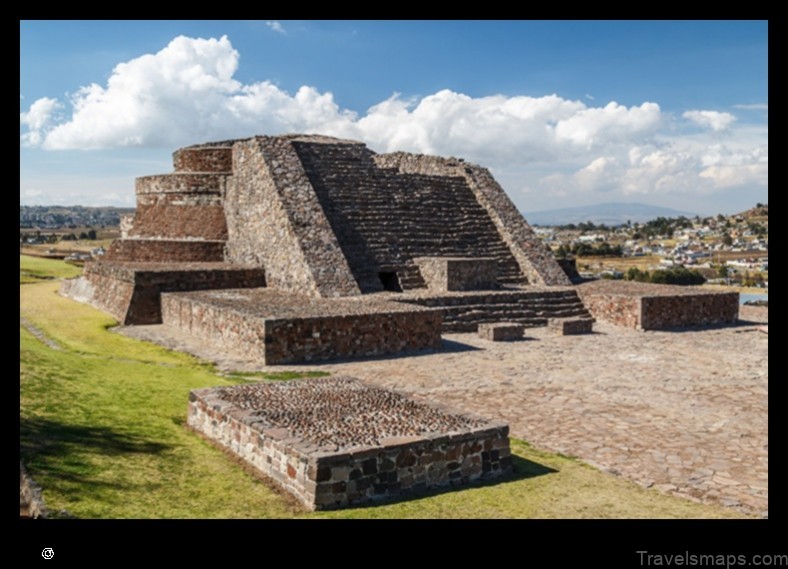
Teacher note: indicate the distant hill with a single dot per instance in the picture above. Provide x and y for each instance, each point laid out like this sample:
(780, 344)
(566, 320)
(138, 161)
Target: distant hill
(57, 216)
(761, 211)
(607, 213)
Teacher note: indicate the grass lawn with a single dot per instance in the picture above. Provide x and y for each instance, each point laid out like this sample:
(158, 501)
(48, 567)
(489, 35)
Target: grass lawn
(36, 269)
(102, 430)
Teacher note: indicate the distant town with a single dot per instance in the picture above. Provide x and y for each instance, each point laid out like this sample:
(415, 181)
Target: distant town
(721, 249)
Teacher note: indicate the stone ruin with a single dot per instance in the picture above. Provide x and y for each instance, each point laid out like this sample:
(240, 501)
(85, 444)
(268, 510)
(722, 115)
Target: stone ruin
(301, 248)
(336, 442)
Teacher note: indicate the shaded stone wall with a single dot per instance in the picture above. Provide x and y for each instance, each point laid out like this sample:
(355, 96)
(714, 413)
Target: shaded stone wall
(444, 274)
(535, 260)
(322, 477)
(275, 221)
(109, 290)
(131, 291)
(383, 218)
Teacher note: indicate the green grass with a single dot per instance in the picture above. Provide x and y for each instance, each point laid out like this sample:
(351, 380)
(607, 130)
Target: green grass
(36, 269)
(102, 430)
(273, 375)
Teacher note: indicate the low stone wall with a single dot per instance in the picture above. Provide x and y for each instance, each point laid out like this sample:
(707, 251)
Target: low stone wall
(277, 328)
(335, 442)
(443, 274)
(645, 306)
(107, 293)
(660, 312)
(131, 291)
(31, 504)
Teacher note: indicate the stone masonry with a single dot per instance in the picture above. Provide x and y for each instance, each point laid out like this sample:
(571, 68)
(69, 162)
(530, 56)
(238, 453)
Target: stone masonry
(443, 274)
(276, 328)
(645, 306)
(501, 331)
(323, 218)
(571, 326)
(335, 442)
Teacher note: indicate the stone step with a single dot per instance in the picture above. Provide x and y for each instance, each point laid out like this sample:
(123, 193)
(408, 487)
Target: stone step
(165, 250)
(186, 183)
(203, 159)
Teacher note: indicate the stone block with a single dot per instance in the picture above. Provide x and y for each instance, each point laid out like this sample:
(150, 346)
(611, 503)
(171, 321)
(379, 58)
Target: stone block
(443, 274)
(306, 452)
(570, 326)
(501, 331)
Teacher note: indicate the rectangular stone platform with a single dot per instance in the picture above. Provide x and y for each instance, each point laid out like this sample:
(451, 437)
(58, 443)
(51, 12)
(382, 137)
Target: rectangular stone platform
(336, 442)
(646, 306)
(130, 291)
(276, 327)
(571, 326)
(501, 331)
(443, 274)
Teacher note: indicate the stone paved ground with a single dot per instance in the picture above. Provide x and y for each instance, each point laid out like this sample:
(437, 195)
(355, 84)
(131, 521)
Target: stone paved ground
(684, 412)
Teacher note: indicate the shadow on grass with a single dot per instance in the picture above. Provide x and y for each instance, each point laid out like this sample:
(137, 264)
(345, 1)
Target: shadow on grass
(65, 450)
(522, 469)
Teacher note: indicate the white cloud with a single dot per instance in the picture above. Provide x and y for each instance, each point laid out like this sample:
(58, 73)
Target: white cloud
(38, 120)
(186, 94)
(714, 120)
(276, 26)
(753, 107)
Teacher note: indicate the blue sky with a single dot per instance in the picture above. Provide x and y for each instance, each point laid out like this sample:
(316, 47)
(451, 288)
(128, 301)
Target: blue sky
(563, 113)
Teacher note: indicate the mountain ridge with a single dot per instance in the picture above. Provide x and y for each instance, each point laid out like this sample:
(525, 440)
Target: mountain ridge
(610, 213)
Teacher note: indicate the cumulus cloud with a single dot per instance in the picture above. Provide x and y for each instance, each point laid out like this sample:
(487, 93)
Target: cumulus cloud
(714, 120)
(187, 93)
(38, 120)
(276, 26)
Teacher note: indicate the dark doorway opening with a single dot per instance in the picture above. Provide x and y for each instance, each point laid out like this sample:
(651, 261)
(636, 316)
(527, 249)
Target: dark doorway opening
(390, 281)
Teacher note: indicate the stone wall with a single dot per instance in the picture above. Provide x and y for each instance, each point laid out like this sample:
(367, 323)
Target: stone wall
(205, 158)
(275, 221)
(646, 306)
(337, 442)
(535, 260)
(110, 291)
(661, 312)
(444, 274)
(275, 328)
(616, 309)
(165, 251)
(31, 504)
(131, 291)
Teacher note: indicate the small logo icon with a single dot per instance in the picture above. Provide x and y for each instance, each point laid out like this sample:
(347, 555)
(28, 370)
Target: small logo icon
(48, 553)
